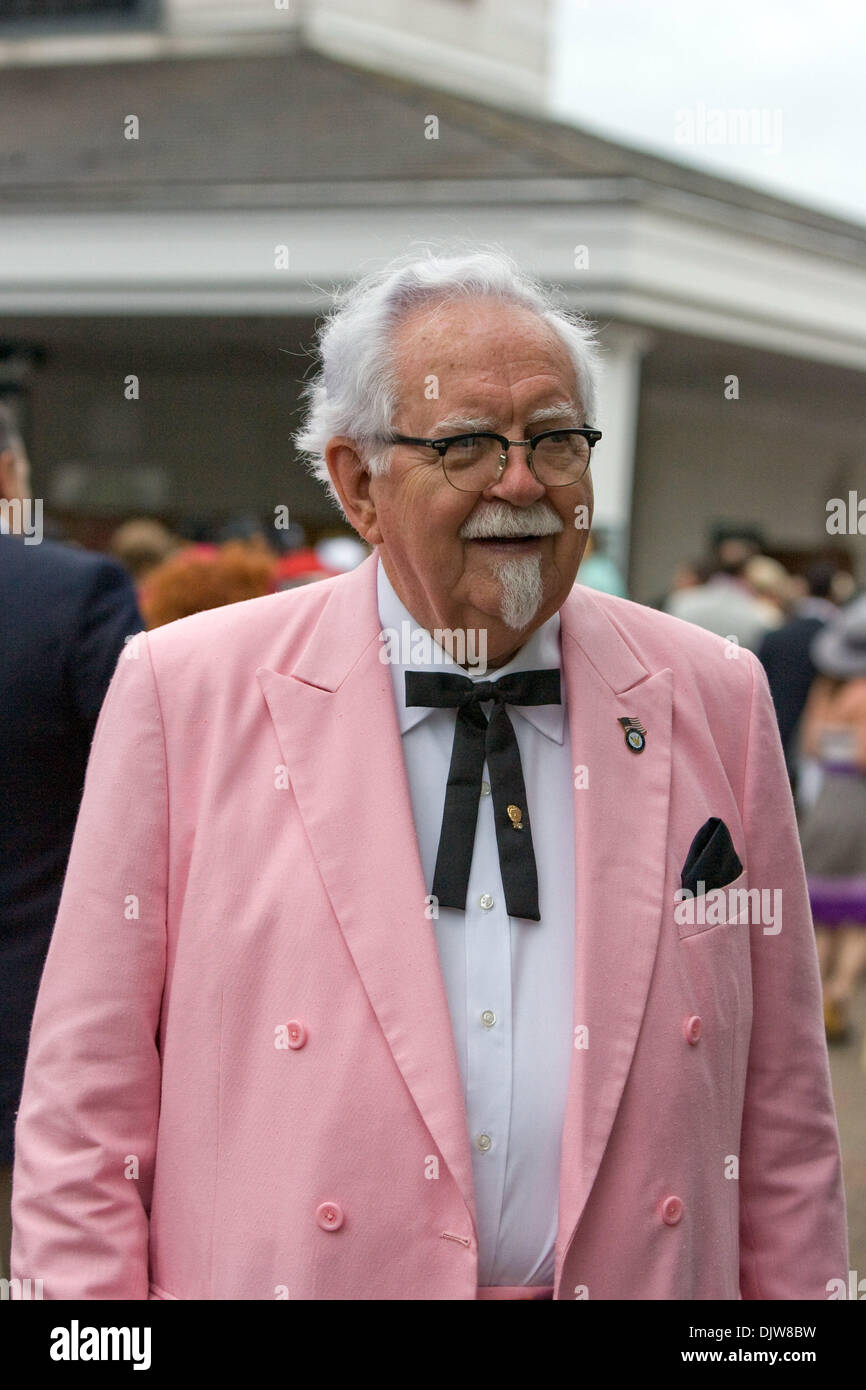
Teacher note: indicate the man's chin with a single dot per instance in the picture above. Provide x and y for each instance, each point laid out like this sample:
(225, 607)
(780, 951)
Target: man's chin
(523, 624)
(487, 598)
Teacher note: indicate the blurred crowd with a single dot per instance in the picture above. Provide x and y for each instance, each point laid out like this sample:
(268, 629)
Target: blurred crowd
(175, 577)
(809, 632)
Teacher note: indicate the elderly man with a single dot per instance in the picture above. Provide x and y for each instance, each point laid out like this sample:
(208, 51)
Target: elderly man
(438, 931)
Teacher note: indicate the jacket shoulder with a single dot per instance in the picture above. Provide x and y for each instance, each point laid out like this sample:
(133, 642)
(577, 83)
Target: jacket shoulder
(243, 626)
(240, 637)
(659, 640)
(68, 563)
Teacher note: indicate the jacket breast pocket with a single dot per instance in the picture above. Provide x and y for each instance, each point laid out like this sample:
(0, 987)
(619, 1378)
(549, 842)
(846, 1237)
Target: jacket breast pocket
(730, 907)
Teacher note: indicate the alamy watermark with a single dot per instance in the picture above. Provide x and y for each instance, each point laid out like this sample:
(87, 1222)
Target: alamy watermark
(23, 1290)
(751, 906)
(760, 126)
(846, 517)
(19, 518)
(77, 1343)
(416, 646)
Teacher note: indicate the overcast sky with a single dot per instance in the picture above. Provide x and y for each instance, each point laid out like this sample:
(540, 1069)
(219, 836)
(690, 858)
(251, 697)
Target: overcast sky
(670, 75)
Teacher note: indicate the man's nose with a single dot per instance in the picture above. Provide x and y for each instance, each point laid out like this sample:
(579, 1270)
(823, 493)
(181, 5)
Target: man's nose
(517, 484)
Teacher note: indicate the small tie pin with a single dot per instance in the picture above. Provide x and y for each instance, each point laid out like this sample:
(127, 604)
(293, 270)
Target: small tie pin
(635, 733)
(515, 815)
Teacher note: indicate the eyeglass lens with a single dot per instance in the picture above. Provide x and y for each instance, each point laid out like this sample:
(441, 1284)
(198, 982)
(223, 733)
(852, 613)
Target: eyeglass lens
(473, 462)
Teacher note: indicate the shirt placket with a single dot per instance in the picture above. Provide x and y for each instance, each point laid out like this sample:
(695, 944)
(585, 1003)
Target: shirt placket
(488, 1028)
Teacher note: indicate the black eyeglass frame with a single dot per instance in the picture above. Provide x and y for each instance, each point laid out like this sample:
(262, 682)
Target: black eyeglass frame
(441, 445)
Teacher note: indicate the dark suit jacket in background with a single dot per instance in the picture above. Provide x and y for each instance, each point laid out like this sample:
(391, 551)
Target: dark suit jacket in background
(64, 614)
(784, 654)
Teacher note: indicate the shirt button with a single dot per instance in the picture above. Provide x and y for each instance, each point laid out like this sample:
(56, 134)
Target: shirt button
(488, 1018)
(485, 788)
(329, 1216)
(486, 901)
(484, 1142)
(297, 1033)
(693, 1029)
(672, 1210)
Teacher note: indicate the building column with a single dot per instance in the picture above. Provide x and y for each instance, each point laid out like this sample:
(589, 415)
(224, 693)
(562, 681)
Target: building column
(623, 348)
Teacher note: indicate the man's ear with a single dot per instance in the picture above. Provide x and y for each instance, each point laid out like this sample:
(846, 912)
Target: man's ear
(351, 478)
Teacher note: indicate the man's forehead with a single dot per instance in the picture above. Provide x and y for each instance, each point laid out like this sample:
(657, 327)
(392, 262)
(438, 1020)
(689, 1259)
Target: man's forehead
(475, 359)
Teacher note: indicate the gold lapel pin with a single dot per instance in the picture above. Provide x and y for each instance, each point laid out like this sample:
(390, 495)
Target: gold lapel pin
(515, 815)
(635, 733)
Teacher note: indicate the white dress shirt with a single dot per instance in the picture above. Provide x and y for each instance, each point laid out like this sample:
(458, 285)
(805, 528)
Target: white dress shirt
(509, 980)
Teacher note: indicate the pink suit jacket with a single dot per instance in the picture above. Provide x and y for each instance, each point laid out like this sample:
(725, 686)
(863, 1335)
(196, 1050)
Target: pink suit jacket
(242, 1081)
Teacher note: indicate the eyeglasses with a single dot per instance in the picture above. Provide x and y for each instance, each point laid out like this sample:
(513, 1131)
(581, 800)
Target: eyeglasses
(474, 462)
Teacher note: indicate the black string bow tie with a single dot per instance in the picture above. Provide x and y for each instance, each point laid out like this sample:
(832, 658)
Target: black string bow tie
(476, 740)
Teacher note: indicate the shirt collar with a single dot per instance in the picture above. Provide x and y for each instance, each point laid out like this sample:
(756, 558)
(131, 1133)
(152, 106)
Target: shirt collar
(541, 651)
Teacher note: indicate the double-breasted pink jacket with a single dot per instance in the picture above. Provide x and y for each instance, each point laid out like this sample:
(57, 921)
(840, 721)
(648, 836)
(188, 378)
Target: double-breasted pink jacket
(242, 1067)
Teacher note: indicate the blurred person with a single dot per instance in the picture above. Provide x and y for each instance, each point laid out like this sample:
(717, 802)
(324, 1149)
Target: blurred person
(248, 529)
(141, 544)
(341, 553)
(844, 587)
(725, 604)
(598, 571)
(733, 552)
(771, 587)
(785, 654)
(14, 464)
(798, 589)
(206, 576)
(64, 617)
(386, 935)
(290, 537)
(834, 831)
(303, 566)
(688, 574)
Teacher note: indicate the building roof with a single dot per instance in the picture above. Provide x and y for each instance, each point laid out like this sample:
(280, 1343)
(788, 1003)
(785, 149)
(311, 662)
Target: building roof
(298, 128)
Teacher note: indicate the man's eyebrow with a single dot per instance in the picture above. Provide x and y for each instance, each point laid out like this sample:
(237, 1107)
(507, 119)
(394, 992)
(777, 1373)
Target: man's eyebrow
(454, 423)
(552, 412)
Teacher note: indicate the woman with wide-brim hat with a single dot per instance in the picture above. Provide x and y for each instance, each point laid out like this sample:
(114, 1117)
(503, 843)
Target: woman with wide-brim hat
(833, 730)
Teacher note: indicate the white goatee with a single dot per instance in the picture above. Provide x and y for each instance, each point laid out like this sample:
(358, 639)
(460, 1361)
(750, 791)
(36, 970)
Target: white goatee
(522, 589)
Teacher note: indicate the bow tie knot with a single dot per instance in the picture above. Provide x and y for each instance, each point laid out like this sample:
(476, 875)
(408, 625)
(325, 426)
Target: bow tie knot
(483, 690)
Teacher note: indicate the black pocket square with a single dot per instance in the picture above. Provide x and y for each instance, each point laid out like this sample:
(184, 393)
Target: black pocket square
(712, 860)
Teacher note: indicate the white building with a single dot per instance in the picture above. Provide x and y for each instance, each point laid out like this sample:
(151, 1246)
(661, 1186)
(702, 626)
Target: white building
(151, 167)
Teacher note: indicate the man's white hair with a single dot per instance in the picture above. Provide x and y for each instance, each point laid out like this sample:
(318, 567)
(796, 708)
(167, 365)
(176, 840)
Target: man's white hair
(354, 392)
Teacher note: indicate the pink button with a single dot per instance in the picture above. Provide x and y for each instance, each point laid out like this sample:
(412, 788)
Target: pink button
(672, 1210)
(297, 1033)
(329, 1216)
(693, 1029)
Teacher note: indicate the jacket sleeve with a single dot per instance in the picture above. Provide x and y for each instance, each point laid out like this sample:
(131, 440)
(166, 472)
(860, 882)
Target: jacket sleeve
(86, 1130)
(792, 1207)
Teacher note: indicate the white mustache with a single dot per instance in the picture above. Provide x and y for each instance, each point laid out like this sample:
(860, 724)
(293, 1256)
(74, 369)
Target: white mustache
(498, 519)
